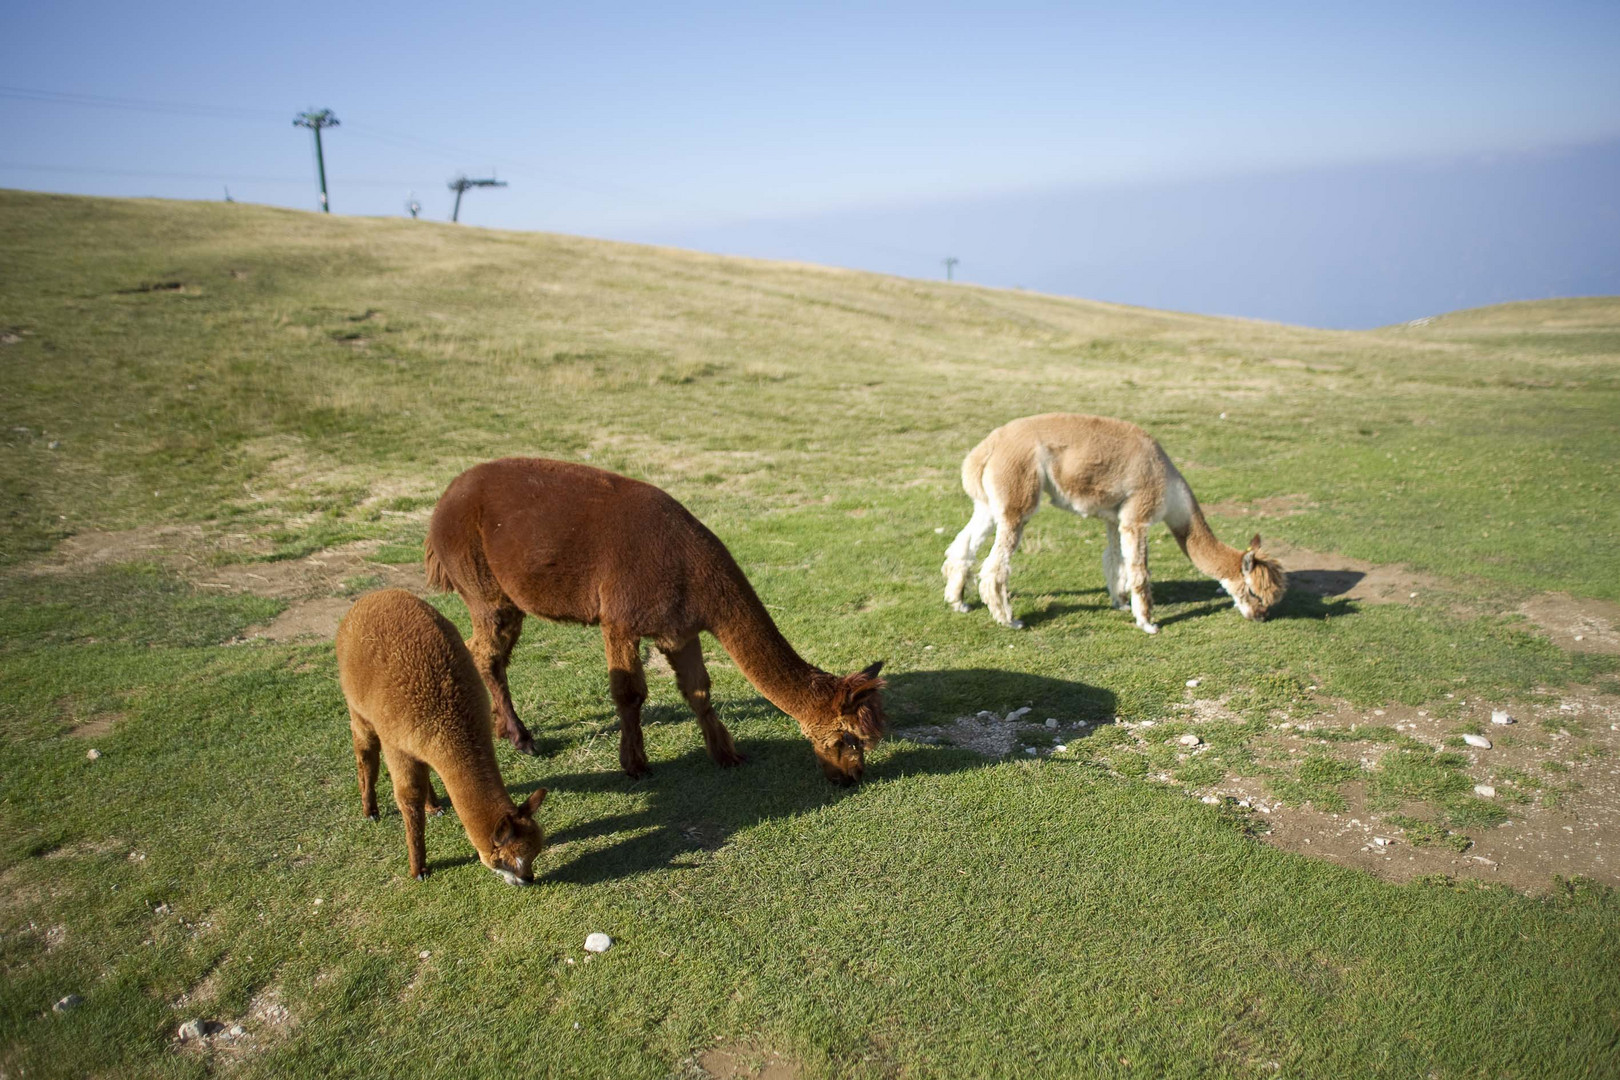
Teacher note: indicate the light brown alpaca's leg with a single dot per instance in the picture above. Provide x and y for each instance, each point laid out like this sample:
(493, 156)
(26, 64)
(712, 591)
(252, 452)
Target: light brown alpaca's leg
(410, 777)
(629, 688)
(996, 569)
(1134, 539)
(431, 806)
(693, 679)
(1114, 571)
(959, 556)
(495, 633)
(367, 749)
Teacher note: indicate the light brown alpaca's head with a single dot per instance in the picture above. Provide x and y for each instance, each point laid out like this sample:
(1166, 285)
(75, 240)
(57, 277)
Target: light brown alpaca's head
(516, 842)
(1264, 580)
(853, 723)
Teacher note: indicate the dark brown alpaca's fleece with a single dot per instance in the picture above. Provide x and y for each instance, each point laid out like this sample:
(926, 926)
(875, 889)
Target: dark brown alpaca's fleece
(571, 543)
(415, 697)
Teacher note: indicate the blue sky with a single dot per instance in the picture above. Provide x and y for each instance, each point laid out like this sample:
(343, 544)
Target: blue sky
(657, 121)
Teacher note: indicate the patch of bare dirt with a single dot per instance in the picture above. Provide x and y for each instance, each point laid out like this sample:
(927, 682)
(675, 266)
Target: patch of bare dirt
(266, 1022)
(1563, 817)
(1275, 506)
(96, 726)
(322, 573)
(1327, 574)
(1576, 624)
(748, 1063)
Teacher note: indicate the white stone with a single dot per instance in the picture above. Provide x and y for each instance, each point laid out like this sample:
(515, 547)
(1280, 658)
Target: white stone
(1189, 739)
(1382, 841)
(598, 943)
(1051, 722)
(1486, 790)
(237, 1031)
(192, 1030)
(1193, 682)
(1500, 716)
(1580, 637)
(939, 530)
(93, 755)
(986, 715)
(1211, 800)
(1060, 748)
(1412, 596)
(69, 1002)
(423, 955)
(1477, 740)
(1019, 714)
(1031, 750)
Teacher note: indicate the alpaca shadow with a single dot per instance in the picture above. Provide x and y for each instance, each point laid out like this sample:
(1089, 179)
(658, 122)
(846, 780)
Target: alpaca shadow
(1324, 582)
(691, 807)
(1185, 591)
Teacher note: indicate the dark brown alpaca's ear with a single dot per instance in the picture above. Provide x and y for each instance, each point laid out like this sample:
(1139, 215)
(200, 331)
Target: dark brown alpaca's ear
(532, 803)
(871, 672)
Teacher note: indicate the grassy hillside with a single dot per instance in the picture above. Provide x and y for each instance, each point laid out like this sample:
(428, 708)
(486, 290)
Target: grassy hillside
(233, 391)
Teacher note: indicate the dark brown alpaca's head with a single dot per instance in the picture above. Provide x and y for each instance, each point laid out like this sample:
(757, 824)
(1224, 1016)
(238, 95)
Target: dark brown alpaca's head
(1264, 580)
(853, 724)
(516, 842)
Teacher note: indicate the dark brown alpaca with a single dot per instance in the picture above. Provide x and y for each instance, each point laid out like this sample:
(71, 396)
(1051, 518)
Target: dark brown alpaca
(571, 543)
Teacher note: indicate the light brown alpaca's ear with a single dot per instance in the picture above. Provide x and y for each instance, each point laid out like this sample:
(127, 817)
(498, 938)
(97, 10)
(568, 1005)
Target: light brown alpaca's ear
(532, 803)
(502, 835)
(1254, 544)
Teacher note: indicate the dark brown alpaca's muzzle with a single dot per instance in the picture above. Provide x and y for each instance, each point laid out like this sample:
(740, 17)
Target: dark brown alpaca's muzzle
(843, 761)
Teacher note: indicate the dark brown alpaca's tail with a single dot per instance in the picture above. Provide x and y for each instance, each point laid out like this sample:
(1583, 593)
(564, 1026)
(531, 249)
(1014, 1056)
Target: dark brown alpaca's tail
(438, 580)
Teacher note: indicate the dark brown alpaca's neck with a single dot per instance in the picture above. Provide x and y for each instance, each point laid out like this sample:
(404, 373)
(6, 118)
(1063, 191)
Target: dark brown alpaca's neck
(478, 795)
(746, 631)
(1201, 545)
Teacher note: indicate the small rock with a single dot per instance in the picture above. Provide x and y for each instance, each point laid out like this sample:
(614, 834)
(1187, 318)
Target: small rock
(193, 1030)
(1193, 682)
(569, 961)
(69, 1002)
(1223, 416)
(598, 943)
(1019, 714)
(319, 901)
(161, 909)
(1211, 800)
(939, 530)
(1485, 790)
(1411, 596)
(1500, 716)
(1031, 750)
(1060, 748)
(423, 955)
(1477, 740)
(1243, 803)
(1189, 739)
(1382, 841)
(1580, 637)
(237, 1031)
(93, 754)
(987, 716)
(1051, 722)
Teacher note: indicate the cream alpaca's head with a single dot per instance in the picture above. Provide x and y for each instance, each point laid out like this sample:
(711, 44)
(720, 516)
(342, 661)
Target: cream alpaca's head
(1264, 582)
(854, 723)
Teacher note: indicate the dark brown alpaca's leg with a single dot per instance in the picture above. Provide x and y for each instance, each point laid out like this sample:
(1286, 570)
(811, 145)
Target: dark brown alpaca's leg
(367, 749)
(693, 679)
(410, 778)
(629, 688)
(495, 632)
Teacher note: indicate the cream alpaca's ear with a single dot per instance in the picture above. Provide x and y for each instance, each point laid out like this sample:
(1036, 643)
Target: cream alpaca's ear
(1248, 562)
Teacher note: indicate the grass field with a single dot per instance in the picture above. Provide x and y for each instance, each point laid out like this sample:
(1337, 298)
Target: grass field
(200, 397)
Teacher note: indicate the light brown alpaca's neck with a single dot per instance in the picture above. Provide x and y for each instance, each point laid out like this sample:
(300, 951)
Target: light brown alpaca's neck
(478, 795)
(747, 632)
(1214, 558)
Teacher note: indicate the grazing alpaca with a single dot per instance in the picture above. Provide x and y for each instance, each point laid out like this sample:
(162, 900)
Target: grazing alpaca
(571, 543)
(415, 696)
(1094, 466)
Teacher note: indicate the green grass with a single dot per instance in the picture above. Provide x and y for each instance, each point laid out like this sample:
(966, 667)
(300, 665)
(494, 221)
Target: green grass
(317, 381)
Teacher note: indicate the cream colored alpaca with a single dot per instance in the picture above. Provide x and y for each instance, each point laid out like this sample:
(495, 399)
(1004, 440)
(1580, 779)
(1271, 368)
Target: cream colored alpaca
(1096, 467)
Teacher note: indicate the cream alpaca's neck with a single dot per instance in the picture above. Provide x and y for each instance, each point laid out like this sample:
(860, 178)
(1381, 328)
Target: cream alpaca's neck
(479, 798)
(748, 633)
(1214, 558)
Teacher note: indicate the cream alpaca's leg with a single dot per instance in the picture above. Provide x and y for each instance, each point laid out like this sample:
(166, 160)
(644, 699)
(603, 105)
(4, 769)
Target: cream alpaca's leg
(1134, 539)
(1114, 575)
(995, 571)
(959, 556)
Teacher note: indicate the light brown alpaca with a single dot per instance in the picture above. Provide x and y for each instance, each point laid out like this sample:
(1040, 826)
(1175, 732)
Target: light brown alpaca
(1099, 467)
(571, 543)
(415, 696)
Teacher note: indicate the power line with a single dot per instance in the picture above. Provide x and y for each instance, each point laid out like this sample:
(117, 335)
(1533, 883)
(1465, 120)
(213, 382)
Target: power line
(234, 178)
(98, 101)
